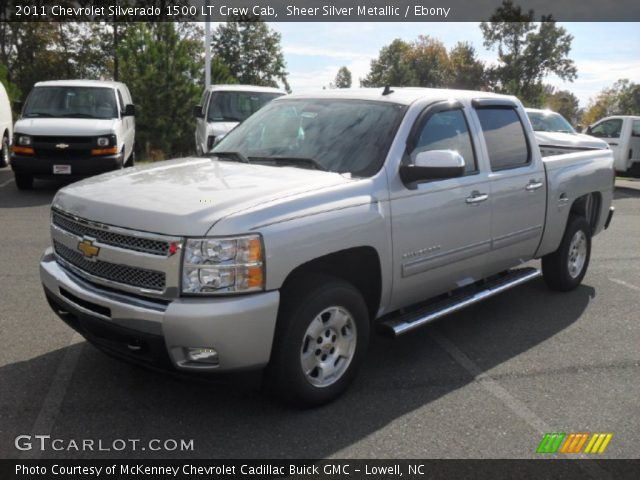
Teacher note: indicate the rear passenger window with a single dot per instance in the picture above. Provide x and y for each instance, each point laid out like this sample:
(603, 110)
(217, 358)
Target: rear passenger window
(505, 138)
(636, 128)
(447, 130)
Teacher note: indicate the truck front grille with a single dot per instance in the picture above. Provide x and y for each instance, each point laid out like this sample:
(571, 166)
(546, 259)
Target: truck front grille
(129, 242)
(123, 274)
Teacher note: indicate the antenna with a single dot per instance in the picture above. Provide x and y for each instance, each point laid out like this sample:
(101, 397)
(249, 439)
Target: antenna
(387, 90)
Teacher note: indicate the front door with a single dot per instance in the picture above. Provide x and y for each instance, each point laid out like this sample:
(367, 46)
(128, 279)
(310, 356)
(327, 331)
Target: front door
(441, 228)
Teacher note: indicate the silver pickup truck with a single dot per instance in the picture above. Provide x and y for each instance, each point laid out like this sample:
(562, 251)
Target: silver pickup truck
(316, 219)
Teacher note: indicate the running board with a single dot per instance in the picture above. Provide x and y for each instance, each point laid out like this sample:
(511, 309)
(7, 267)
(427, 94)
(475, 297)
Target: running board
(408, 321)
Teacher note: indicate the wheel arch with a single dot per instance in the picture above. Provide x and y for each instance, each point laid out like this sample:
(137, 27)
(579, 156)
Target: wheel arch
(360, 266)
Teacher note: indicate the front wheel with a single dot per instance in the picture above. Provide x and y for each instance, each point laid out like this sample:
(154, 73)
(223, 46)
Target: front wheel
(321, 340)
(564, 269)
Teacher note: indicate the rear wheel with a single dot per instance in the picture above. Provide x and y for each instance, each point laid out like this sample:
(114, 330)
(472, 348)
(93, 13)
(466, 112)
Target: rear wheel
(564, 269)
(4, 156)
(24, 181)
(321, 340)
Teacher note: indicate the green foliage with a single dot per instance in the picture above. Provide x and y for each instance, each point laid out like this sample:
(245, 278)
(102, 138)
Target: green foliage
(425, 62)
(622, 98)
(565, 103)
(220, 73)
(252, 52)
(343, 78)
(12, 90)
(527, 52)
(160, 63)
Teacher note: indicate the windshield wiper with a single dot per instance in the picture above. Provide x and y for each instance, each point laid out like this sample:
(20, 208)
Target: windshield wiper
(79, 115)
(292, 162)
(233, 156)
(38, 114)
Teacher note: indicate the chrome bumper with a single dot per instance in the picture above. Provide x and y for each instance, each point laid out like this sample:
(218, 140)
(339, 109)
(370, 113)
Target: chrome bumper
(239, 328)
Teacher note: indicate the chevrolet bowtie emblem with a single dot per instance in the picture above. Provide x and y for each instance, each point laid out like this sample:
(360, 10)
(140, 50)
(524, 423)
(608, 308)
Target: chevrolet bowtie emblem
(88, 249)
(62, 146)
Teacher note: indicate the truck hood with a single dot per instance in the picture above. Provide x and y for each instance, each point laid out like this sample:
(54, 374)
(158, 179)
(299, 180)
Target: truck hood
(185, 197)
(577, 140)
(66, 126)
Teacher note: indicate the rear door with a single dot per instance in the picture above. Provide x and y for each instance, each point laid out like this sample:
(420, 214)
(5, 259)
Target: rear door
(518, 184)
(441, 228)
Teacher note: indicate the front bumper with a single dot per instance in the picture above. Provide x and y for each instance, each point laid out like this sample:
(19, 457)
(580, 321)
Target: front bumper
(80, 167)
(156, 333)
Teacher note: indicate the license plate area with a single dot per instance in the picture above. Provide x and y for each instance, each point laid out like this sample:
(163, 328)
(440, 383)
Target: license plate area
(62, 169)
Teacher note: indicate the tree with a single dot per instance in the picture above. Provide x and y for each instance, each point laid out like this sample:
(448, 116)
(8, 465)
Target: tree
(343, 78)
(163, 57)
(391, 67)
(429, 61)
(527, 52)
(251, 50)
(220, 72)
(566, 104)
(622, 98)
(465, 70)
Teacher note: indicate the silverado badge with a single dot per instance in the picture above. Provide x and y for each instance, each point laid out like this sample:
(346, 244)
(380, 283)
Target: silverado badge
(88, 249)
(62, 146)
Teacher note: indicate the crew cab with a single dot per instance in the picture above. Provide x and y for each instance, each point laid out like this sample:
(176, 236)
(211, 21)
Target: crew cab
(315, 220)
(222, 107)
(622, 133)
(556, 136)
(73, 128)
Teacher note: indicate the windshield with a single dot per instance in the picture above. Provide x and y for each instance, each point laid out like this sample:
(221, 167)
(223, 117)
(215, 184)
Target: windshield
(237, 106)
(549, 122)
(71, 102)
(335, 135)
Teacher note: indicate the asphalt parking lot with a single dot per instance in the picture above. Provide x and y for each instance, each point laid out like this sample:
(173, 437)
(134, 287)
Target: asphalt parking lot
(485, 383)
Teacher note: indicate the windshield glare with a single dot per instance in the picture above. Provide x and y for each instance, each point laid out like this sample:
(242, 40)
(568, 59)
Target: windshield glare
(237, 106)
(71, 102)
(549, 122)
(340, 135)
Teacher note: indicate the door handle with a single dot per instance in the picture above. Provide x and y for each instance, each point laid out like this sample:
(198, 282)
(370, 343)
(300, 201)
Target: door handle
(476, 197)
(533, 185)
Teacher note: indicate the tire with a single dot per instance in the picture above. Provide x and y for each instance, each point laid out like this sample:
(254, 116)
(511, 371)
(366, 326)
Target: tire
(24, 181)
(4, 155)
(131, 161)
(319, 319)
(564, 269)
(634, 171)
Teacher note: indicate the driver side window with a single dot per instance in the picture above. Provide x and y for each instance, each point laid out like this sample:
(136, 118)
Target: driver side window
(447, 130)
(607, 129)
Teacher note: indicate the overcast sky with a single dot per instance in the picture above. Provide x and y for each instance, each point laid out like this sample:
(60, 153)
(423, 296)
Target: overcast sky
(603, 52)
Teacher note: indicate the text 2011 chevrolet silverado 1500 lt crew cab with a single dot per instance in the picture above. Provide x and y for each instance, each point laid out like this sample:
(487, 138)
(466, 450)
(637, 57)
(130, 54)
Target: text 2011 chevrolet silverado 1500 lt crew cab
(315, 219)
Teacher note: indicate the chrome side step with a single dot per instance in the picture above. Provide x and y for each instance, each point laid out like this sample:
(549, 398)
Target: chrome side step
(408, 321)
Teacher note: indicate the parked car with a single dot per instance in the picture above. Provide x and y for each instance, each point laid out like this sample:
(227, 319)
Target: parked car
(222, 107)
(556, 136)
(6, 126)
(73, 128)
(622, 133)
(318, 218)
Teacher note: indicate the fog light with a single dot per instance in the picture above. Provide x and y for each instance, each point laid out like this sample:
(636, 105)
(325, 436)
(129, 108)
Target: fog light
(202, 355)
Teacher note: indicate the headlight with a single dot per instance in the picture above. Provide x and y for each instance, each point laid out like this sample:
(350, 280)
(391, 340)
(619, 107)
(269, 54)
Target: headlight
(223, 265)
(103, 141)
(24, 140)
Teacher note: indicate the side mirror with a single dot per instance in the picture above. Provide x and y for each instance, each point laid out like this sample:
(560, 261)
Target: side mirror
(588, 130)
(197, 111)
(17, 105)
(130, 110)
(433, 165)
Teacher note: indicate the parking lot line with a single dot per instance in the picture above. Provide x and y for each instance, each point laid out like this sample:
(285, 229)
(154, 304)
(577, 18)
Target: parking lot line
(498, 391)
(626, 284)
(57, 390)
(3, 184)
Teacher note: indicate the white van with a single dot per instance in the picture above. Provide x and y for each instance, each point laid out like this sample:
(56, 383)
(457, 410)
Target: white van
(73, 128)
(6, 126)
(222, 107)
(622, 133)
